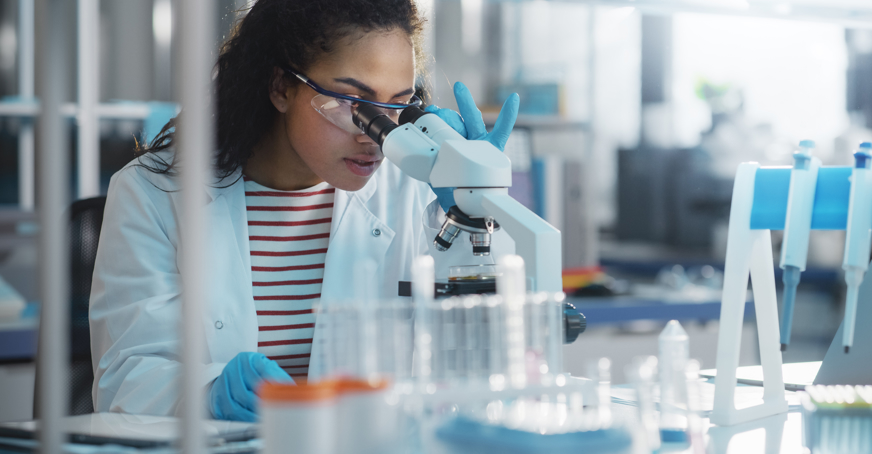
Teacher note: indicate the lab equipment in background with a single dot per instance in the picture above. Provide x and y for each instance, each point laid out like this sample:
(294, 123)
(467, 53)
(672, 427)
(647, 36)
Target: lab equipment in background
(749, 254)
(857, 238)
(670, 196)
(674, 354)
(539, 99)
(12, 304)
(760, 199)
(797, 226)
(837, 419)
(428, 149)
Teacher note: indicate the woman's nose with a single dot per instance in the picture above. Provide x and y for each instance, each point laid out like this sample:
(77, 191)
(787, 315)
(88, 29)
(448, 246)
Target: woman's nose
(364, 139)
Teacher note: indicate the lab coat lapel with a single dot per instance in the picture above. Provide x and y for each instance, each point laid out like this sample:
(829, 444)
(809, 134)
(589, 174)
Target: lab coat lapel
(352, 240)
(356, 235)
(229, 295)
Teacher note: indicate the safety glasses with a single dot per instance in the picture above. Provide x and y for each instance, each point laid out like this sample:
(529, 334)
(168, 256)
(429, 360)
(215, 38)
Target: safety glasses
(337, 108)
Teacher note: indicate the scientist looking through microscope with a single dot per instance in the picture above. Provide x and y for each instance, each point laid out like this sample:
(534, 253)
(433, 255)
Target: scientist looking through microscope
(300, 198)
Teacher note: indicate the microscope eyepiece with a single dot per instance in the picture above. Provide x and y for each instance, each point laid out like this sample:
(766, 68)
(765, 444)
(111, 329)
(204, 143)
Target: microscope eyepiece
(373, 122)
(411, 114)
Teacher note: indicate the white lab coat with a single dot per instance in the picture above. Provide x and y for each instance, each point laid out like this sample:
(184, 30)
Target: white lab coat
(135, 294)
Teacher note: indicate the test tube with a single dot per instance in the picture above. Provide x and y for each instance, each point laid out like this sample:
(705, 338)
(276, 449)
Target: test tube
(554, 354)
(511, 286)
(475, 333)
(600, 371)
(365, 306)
(422, 294)
(495, 348)
(471, 328)
(459, 335)
(673, 360)
(695, 427)
(642, 373)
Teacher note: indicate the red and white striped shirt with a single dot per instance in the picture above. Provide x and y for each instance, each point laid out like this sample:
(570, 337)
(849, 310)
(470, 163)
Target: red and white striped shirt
(288, 236)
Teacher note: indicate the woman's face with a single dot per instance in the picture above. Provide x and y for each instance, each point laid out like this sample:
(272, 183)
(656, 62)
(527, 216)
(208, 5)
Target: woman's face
(377, 66)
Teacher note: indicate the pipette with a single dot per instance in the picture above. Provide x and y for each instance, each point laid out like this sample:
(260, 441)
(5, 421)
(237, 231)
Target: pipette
(857, 240)
(797, 225)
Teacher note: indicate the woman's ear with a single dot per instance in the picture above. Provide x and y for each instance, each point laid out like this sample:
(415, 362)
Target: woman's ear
(279, 90)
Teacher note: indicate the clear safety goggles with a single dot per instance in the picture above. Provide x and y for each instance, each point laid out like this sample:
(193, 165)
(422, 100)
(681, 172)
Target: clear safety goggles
(337, 108)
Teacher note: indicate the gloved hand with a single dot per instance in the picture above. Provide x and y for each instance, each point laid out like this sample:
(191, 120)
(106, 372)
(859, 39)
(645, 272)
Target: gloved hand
(233, 395)
(470, 125)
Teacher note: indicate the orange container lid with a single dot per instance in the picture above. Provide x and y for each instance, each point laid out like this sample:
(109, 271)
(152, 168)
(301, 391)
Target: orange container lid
(353, 385)
(286, 392)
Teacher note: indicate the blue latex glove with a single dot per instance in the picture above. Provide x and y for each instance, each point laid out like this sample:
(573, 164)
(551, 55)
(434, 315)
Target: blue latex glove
(233, 395)
(470, 125)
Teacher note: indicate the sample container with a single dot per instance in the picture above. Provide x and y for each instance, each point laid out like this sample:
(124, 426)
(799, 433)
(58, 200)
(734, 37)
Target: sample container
(298, 418)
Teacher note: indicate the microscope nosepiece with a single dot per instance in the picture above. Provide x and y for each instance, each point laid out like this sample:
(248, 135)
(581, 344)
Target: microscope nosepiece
(446, 236)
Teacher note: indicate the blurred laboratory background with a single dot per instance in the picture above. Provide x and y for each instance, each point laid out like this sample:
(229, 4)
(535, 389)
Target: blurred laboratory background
(634, 116)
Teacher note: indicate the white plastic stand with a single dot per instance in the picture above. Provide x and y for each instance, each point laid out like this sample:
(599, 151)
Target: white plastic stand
(772, 425)
(749, 253)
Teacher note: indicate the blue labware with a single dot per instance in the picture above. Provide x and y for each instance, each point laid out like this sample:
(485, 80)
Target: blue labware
(797, 225)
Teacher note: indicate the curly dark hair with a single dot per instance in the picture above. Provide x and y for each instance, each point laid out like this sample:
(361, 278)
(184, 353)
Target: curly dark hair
(275, 33)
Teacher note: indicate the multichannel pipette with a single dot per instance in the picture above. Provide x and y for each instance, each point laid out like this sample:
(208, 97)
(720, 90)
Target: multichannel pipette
(857, 239)
(797, 225)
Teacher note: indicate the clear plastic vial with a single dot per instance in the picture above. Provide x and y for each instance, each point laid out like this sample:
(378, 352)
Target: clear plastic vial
(674, 353)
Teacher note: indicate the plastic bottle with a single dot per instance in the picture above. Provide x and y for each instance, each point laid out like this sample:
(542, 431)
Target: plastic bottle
(299, 417)
(674, 353)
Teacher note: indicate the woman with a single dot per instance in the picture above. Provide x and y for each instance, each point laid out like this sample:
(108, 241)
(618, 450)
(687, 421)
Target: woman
(300, 199)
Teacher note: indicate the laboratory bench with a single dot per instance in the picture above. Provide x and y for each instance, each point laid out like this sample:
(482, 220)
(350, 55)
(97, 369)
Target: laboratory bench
(776, 434)
(624, 309)
(18, 338)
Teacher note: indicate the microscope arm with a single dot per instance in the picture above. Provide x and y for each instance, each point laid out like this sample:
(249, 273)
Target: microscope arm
(536, 241)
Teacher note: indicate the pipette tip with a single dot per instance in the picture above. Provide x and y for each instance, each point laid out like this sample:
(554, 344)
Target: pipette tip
(784, 347)
(847, 348)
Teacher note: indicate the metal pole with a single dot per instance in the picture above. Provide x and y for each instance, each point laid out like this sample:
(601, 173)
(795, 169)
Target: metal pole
(194, 22)
(89, 93)
(588, 185)
(53, 249)
(26, 165)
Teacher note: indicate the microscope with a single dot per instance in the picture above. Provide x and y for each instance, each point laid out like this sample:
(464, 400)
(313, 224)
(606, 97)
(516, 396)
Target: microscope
(428, 149)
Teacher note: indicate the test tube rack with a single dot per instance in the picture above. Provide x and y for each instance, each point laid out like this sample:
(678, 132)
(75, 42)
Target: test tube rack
(759, 205)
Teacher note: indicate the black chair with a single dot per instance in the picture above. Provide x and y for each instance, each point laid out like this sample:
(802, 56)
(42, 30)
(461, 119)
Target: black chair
(86, 221)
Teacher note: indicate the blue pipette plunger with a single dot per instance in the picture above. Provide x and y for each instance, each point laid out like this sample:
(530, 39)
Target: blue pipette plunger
(857, 238)
(794, 251)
